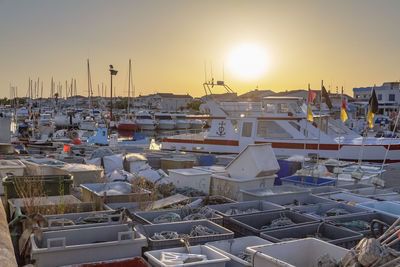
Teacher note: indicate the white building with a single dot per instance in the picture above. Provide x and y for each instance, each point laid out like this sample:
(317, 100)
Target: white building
(388, 95)
(165, 101)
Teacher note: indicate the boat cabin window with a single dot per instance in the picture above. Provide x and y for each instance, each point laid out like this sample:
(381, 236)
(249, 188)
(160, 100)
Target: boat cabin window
(295, 125)
(247, 129)
(164, 117)
(270, 129)
(283, 108)
(235, 125)
(270, 108)
(296, 108)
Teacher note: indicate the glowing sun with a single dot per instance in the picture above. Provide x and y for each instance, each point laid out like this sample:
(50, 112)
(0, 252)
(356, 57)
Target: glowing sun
(248, 61)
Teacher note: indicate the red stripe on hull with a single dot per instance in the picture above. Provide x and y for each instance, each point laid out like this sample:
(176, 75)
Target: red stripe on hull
(204, 142)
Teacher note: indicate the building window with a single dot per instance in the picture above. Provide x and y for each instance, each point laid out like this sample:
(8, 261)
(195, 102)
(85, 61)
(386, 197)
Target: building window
(391, 97)
(379, 97)
(247, 128)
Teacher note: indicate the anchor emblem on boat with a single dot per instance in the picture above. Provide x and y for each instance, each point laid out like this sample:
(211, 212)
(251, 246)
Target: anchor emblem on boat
(221, 128)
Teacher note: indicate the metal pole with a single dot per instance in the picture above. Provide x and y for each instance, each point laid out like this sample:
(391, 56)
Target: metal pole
(111, 103)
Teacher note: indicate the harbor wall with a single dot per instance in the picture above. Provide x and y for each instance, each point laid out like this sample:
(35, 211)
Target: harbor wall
(7, 257)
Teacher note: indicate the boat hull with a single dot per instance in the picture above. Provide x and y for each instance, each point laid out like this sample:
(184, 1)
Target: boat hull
(348, 152)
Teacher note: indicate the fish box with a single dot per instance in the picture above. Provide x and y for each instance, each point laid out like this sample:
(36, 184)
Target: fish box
(115, 192)
(10, 167)
(298, 253)
(265, 193)
(42, 166)
(82, 245)
(193, 178)
(328, 211)
(231, 187)
(338, 236)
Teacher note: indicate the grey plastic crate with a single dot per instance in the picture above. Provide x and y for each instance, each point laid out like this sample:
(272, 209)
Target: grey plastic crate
(260, 205)
(184, 228)
(318, 211)
(370, 192)
(82, 245)
(355, 186)
(322, 190)
(368, 217)
(347, 197)
(147, 217)
(294, 200)
(264, 193)
(62, 221)
(338, 236)
(244, 225)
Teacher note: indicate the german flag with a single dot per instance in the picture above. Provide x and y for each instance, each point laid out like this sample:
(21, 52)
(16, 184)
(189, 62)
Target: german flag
(372, 108)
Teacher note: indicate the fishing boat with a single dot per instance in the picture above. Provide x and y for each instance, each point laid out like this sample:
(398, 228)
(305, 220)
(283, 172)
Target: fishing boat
(127, 126)
(145, 121)
(165, 121)
(281, 121)
(181, 121)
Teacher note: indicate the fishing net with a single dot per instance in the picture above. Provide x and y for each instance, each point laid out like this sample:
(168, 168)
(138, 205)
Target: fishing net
(168, 217)
(336, 212)
(201, 230)
(164, 235)
(282, 221)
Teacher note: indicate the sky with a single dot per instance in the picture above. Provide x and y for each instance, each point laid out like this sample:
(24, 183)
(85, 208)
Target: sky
(174, 43)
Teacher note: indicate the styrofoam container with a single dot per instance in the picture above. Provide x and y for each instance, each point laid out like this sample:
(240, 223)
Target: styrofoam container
(214, 169)
(297, 253)
(318, 211)
(135, 162)
(214, 258)
(244, 225)
(339, 236)
(86, 244)
(265, 193)
(232, 247)
(231, 187)
(385, 207)
(147, 217)
(42, 166)
(256, 160)
(83, 173)
(193, 178)
(184, 228)
(354, 186)
(347, 197)
(10, 167)
(60, 221)
(121, 192)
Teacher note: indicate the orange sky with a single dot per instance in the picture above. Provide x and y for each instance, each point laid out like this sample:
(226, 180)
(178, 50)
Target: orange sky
(346, 42)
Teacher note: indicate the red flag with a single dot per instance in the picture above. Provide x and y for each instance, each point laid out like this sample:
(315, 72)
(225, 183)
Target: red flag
(311, 96)
(344, 104)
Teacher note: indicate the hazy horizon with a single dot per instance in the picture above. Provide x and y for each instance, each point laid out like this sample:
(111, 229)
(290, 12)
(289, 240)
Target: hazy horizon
(345, 43)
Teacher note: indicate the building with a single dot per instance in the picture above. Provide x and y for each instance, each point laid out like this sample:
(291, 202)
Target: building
(167, 102)
(388, 95)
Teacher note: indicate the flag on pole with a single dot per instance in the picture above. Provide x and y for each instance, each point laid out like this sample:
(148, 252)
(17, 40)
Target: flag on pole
(343, 114)
(311, 97)
(326, 96)
(372, 108)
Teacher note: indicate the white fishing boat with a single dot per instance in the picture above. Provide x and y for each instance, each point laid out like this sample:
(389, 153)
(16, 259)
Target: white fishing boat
(181, 121)
(88, 124)
(282, 122)
(145, 121)
(165, 121)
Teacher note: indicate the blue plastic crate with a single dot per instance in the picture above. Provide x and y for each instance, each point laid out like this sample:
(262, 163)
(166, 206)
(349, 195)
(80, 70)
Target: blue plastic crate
(307, 181)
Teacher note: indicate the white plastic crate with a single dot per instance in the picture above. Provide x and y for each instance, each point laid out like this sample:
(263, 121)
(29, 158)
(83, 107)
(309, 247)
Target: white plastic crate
(297, 253)
(214, 258)
(232, 247)
(86, 244)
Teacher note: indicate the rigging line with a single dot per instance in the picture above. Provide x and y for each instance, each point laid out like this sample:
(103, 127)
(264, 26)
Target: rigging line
(391, 140)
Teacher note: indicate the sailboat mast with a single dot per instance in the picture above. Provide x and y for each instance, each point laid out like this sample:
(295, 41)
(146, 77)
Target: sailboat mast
(129, 86)
(89, 95)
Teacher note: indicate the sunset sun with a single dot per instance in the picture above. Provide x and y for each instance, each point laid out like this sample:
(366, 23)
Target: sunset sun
(248, 61)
